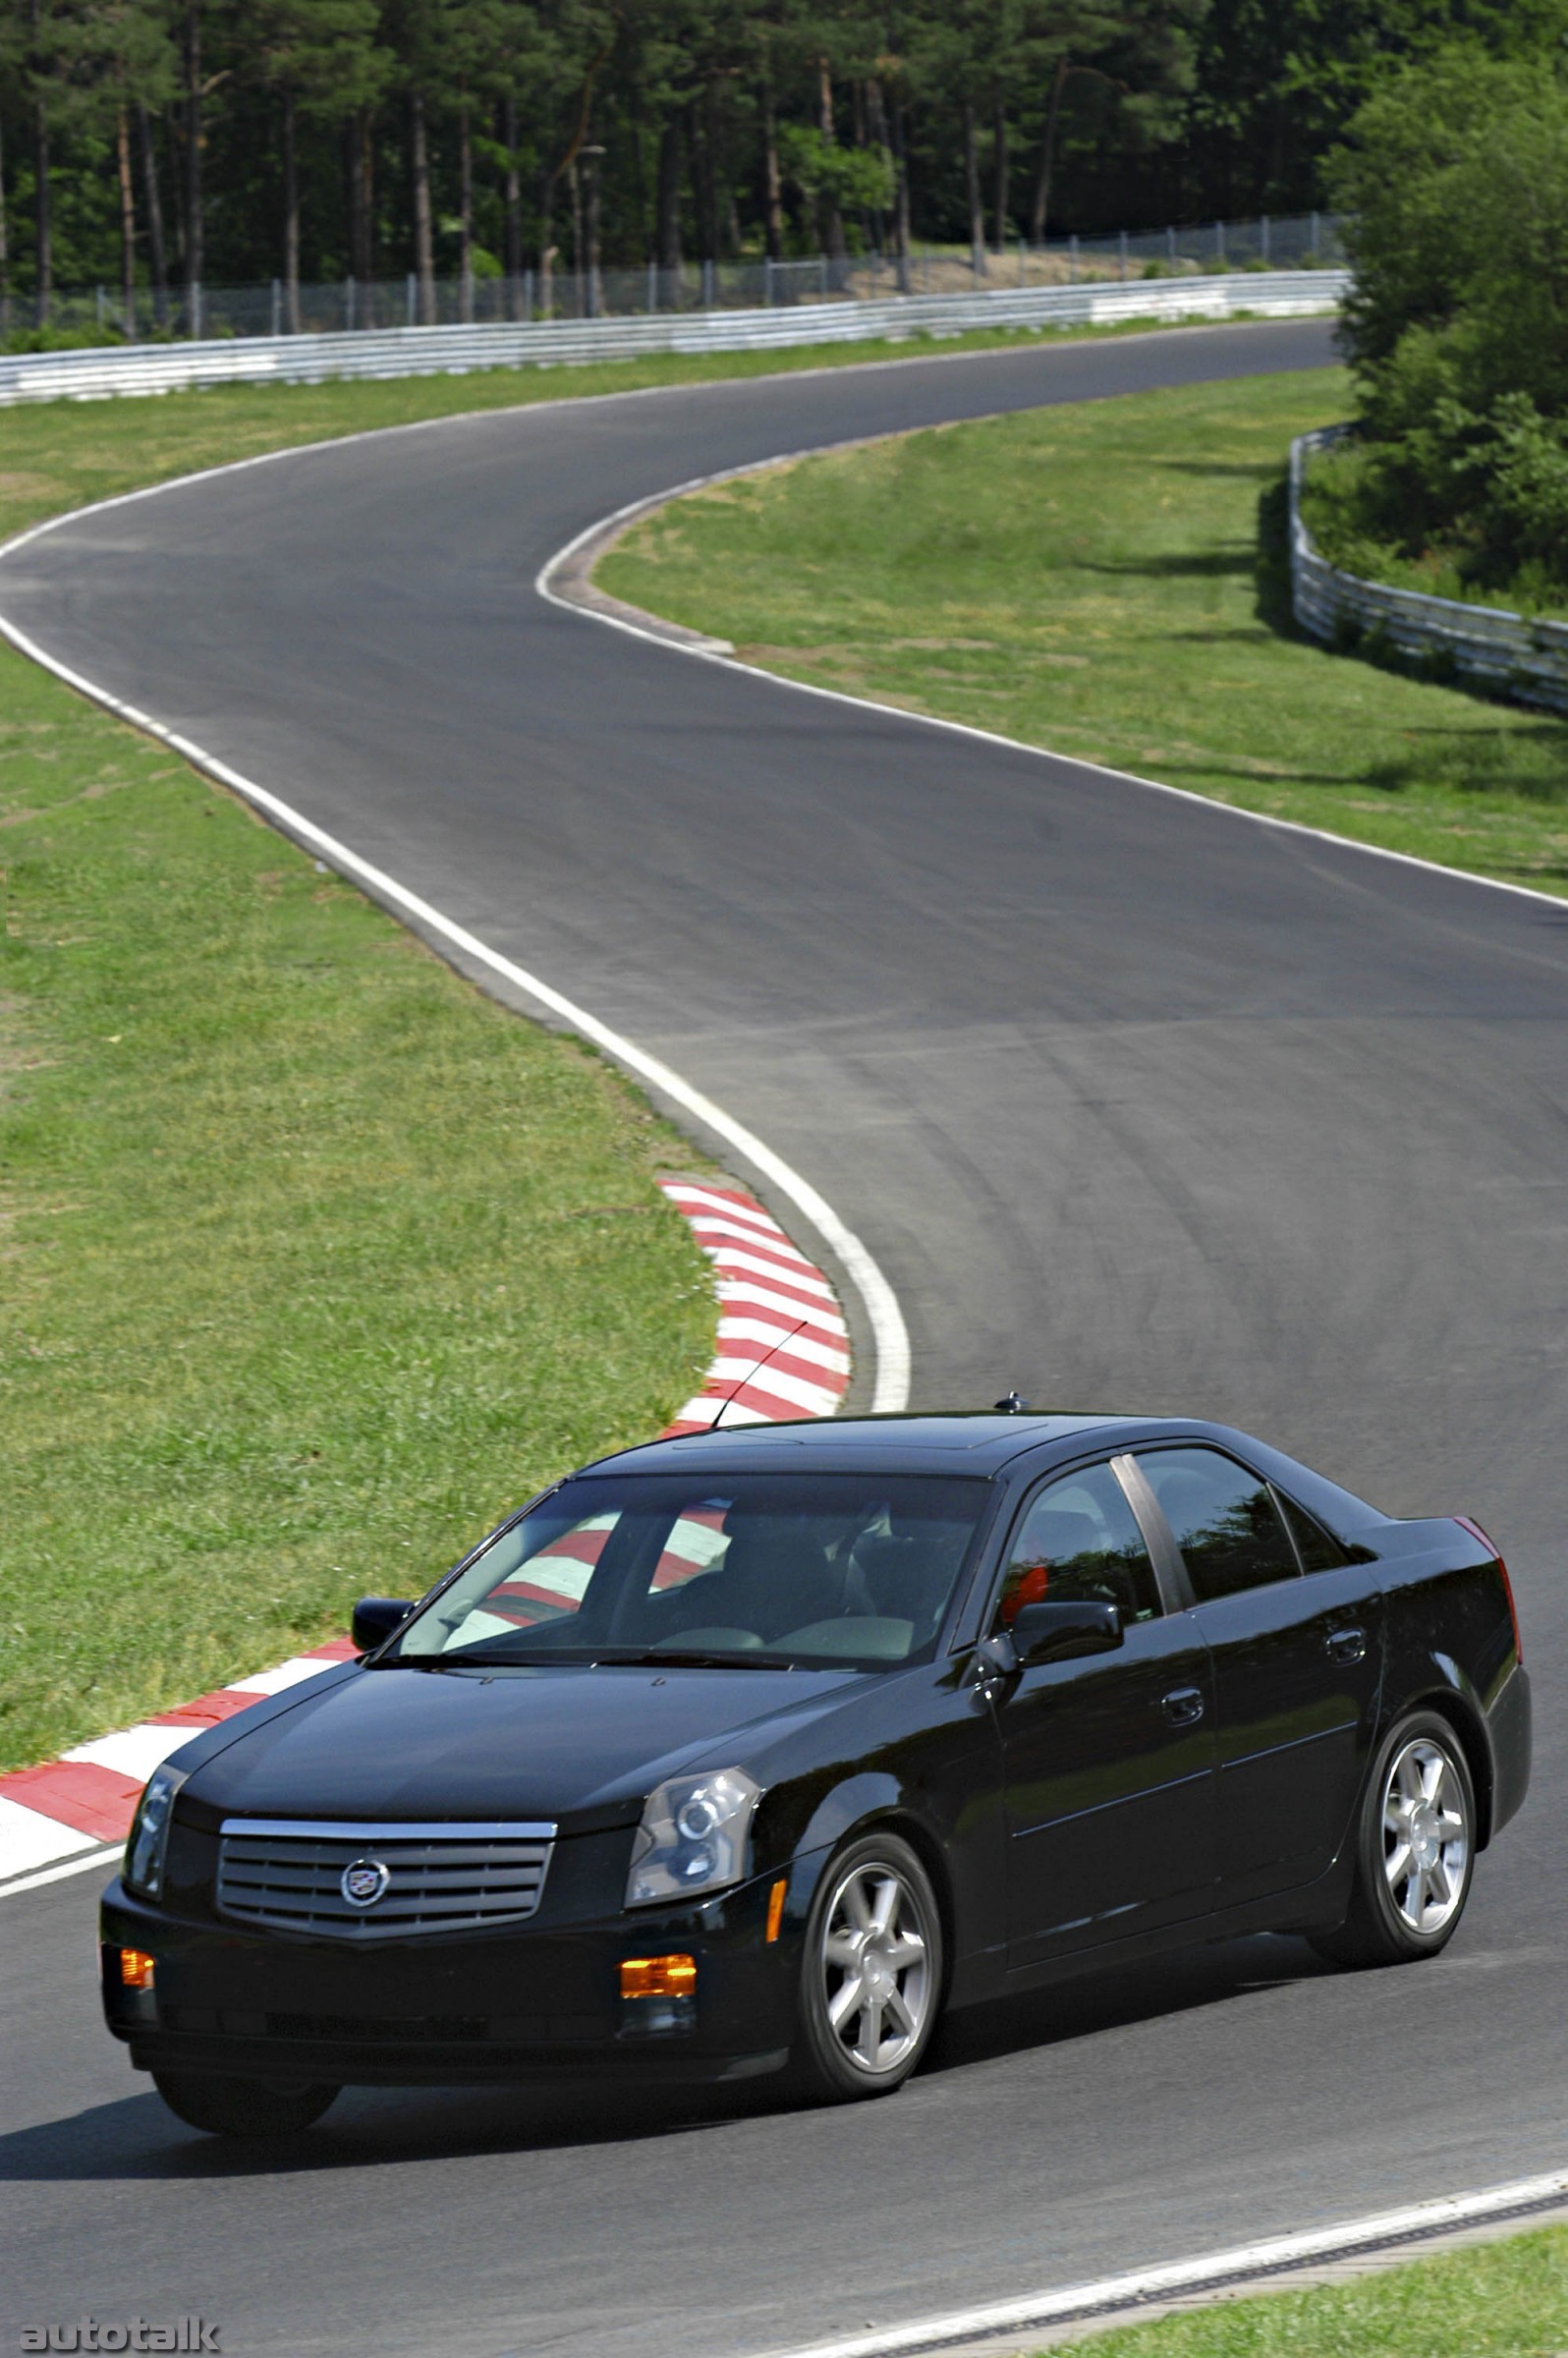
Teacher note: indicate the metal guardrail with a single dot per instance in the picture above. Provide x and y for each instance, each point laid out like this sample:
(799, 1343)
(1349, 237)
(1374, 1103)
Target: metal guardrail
(97, 372)
(1528, 659)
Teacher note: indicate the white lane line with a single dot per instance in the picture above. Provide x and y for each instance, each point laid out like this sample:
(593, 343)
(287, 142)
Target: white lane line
(889, 1335)
(56, 1874)
(620, 519)
(30, 1838)
(1411, 2225)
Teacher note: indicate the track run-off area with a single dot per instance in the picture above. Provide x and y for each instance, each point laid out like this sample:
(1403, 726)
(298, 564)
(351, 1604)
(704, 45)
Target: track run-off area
(1133, 1102)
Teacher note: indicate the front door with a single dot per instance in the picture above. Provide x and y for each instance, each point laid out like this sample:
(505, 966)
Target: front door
(1296, 1637)
(1108, 1757)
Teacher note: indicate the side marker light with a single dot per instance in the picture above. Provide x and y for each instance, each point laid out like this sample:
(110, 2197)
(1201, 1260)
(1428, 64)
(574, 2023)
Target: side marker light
(775, 1907)
(658, 1977)
(137, 1969)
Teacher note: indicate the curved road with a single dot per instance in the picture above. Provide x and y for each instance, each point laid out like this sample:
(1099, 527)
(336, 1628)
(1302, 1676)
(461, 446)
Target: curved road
(1134, 1101)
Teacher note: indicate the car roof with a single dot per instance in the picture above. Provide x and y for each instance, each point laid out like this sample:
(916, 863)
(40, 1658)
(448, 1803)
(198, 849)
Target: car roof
(976, 1441)
(981, 1442)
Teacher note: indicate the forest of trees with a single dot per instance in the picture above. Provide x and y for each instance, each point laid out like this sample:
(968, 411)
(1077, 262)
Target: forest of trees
(156, 145)
(1456, 175)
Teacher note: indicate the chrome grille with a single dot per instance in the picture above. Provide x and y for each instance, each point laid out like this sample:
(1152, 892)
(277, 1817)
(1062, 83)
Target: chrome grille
(289, 1872)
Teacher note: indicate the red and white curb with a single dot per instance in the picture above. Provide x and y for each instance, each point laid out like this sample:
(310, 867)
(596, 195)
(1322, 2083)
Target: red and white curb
(775, 1307)
(783, 1347)
(68, 1809)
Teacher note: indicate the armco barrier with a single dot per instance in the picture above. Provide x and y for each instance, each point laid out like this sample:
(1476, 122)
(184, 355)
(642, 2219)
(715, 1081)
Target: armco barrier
(1528, 660)
(436, 350)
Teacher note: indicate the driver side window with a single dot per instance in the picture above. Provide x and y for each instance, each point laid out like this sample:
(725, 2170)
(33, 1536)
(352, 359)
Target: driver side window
(1079, 1539)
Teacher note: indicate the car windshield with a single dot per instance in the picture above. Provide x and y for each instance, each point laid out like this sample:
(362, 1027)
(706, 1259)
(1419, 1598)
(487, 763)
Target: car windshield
(767, 1570)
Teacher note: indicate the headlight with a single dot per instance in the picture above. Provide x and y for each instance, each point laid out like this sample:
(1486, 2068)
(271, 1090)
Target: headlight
(148, 1841)
(694, 1837)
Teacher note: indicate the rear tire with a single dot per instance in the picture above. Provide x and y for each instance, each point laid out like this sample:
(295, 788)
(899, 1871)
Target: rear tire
(228, 2107)
(870, 1973)
(1414, 1849)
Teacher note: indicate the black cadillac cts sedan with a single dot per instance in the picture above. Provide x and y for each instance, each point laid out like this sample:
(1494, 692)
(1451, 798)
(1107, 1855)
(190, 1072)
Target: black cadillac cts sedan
(756, 1748)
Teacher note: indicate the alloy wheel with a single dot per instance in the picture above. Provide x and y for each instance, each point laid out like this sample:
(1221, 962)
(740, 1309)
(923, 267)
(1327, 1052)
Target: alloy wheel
(876, 1966)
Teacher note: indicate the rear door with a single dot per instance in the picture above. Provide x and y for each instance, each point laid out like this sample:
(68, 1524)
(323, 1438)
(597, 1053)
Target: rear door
(1108, 1757)
(1296, 1638)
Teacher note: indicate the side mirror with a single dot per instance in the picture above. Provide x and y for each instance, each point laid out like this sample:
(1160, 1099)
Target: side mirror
(375, 1618)
(1045, 1633)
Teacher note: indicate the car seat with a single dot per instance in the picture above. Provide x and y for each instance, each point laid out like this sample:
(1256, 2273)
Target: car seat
(773, 1578)
(906, 1577)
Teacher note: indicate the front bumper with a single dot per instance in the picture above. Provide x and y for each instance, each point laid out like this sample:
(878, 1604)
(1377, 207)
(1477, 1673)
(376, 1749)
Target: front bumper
(509, 2003)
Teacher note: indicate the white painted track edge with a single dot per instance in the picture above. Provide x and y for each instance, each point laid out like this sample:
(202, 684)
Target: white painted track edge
(1216, 2269)
(58, 1873)
(889, 1335)
(611, 526)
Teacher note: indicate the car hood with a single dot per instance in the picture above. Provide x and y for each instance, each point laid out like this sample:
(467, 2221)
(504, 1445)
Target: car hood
(577, 1744)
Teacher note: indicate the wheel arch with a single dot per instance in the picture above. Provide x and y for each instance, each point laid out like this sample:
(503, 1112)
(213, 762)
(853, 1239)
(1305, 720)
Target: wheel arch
(867, 1805)
(924, 1843)
(1462, 1716)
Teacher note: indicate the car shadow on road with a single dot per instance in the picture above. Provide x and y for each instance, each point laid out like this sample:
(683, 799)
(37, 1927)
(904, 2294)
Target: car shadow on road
(1116, 1997)
(134, 2138)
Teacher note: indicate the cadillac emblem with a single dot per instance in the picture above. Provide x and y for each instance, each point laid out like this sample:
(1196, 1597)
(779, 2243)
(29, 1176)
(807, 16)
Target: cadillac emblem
(362, 1884)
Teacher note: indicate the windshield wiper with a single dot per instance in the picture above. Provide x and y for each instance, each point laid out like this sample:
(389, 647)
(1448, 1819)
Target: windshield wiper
(621, 1658)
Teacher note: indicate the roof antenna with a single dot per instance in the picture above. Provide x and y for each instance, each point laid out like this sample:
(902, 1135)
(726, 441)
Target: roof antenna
(755, 1371)
(1011, 1406)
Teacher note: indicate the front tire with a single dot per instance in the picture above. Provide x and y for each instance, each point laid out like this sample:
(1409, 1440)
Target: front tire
(229, 2107)
(1416, 1849)
(870, 1972)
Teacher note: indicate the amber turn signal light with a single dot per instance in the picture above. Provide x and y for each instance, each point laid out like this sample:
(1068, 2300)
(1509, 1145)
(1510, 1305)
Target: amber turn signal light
(776, 1908)
(658, 1977)
(137, 1969)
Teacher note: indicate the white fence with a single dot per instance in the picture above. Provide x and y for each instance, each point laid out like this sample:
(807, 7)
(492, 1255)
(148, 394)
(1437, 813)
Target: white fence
(453, 350)
(1528, 660)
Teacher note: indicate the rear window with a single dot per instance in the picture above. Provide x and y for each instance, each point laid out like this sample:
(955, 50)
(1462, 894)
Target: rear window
(801, 1568)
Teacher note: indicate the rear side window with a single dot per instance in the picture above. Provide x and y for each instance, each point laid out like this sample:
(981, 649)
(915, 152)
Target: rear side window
(1079, 1538)
(1224, 1521)
(1319, 1553)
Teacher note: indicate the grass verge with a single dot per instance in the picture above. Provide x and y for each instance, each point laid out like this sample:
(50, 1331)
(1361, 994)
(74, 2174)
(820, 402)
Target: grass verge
(1507, 2299)
(312, 1260)
(1107, 580)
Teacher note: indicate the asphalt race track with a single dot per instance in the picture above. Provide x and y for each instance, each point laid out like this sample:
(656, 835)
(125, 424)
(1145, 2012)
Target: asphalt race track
(1137, 1103)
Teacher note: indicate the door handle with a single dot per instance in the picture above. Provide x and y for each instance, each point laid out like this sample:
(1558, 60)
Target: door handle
(1183, 1705)
(1346, 1644)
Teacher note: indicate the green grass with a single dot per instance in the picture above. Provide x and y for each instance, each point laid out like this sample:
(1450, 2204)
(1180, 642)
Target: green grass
(1107, 580)
(312, 1260)
(1507, 2299)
